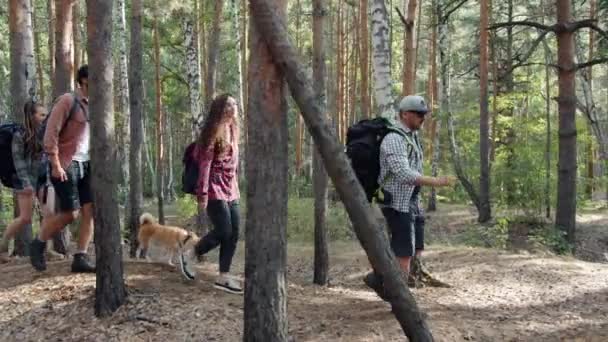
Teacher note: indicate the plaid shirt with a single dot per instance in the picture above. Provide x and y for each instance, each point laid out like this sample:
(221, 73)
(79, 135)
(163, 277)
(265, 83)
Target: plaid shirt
(400, 165)
(26, 165)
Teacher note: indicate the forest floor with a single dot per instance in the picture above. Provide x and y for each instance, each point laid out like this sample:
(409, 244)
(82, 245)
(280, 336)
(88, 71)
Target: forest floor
(496, 295)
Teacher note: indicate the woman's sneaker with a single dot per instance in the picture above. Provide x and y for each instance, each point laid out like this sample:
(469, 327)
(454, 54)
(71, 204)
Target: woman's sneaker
(228, 284)
(184, 267)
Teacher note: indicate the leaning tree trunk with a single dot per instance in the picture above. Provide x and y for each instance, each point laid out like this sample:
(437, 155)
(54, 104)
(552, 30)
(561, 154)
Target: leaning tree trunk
(444, 95)
(485, 210)
(338, 167)
(136, 90)
(565, 214)
(381, 55)
(321, 270)
(64, 67)
(22, 82)
(123, 92)
(265, 313)
(110, 290)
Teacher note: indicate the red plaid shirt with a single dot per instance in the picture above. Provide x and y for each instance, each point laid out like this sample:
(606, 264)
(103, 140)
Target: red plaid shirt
(217, 178)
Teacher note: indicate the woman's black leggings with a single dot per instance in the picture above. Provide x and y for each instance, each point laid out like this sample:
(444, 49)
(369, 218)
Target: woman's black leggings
(225, 219)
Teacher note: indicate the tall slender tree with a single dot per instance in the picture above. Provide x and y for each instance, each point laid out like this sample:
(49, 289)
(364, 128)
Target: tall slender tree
(136, 102)
(321, 258)
(484, 116)
(265, 313)
(110, 290)
(64, 61)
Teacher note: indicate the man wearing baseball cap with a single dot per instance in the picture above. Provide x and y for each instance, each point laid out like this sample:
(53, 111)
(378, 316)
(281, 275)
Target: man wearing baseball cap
(401, 157)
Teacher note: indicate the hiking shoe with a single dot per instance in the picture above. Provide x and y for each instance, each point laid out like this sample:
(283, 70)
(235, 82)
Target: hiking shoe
(81, 264)
(185, 267)
(37, 256)
(372, 281)
(228, 284)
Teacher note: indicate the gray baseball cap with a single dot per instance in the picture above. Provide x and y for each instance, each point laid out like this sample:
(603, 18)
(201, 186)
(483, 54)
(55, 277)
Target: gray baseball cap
(413, 103)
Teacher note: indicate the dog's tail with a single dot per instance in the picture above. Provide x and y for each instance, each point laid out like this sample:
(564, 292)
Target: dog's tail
(146, 218)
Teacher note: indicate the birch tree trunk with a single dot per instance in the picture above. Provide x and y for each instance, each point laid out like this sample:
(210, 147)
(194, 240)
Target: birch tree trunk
(381, 52)
(363, 53)
(193, 75)
(50, 5)
(123, 90)
(445, 105)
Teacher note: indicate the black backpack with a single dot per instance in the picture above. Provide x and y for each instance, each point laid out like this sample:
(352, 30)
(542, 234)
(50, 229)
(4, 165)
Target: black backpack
(363, 141)
(190, 173)
(7, 166)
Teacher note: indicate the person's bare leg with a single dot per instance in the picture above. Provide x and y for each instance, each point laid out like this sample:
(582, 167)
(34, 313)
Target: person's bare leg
(25, 201)
(86, 228)
(404, 262)
(53, 224)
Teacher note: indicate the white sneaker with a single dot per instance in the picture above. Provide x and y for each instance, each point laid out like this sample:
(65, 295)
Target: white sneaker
(185, 268)
(228, 284)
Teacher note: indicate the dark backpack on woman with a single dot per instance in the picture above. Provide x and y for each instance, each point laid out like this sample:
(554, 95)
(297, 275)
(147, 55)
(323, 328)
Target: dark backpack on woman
(190, 173)
(7, 166)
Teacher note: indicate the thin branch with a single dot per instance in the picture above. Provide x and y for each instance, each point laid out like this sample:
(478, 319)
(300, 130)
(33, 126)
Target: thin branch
(588, 23)
(522, 23)
(403, 20)
(448, 13)
(591, 63)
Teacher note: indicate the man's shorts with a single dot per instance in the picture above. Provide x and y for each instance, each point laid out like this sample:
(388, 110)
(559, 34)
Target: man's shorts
(406, 236)
(75, 192)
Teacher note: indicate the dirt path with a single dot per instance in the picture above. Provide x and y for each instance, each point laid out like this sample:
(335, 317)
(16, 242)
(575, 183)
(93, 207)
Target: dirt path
(496, 296)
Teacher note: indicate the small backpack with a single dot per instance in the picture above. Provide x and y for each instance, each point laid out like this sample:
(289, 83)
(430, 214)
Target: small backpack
(363, 141)
(190, 173)
(7, 166)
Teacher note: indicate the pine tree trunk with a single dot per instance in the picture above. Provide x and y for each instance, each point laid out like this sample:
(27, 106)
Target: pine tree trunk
(321, 258)
(50, 5)
(123, 91)
(234, 6)
(361, 214)
(548, 139)
(435, 150)
(160, 131)
(565, 217)
(64, 67)
(265, 313)
(76, 37)
(110, 290)
(213, 51)
(39, 70)
(193, 75)
(136, 90)
(485, 213)
(22, 84)
(409, 75)
(363, 53)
